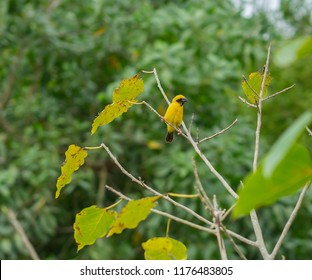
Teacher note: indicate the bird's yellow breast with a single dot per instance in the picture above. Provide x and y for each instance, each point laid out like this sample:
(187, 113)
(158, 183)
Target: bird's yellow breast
(174, 115)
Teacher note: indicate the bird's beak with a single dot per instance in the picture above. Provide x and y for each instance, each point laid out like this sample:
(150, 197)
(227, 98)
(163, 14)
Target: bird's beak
(183, 100)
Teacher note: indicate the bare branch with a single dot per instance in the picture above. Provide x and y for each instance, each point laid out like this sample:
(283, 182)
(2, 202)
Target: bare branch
(246, 102)
(218, 133)
(191, 123)
(217, 213)
(203, 195)
(253, 215)
(141, 183)
(158, 83)
(279, 92)
(161, 117)
(167, 215)
(195, 144)
(290, 221)
(208, 163)
(259, 115)
(19, 229)
(239, 252)
(246, 81)
(242, 238)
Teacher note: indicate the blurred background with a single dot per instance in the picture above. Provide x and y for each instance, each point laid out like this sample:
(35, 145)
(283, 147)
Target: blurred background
(60, 61)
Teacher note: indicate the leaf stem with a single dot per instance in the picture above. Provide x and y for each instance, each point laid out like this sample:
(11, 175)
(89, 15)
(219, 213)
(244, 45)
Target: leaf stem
(115, 204)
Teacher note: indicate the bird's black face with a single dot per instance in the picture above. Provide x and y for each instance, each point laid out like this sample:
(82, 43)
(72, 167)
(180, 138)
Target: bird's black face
(182, 100)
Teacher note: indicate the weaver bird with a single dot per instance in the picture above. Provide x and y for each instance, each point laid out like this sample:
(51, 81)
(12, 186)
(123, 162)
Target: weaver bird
(174, 115)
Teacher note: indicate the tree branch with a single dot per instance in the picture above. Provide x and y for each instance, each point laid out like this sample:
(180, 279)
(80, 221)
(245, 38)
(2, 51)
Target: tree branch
(253, 214)
(279, 92)
(188, 136)
(167, 215)
(218, 133)
(141, 183)
(19, 229)
(289, 222)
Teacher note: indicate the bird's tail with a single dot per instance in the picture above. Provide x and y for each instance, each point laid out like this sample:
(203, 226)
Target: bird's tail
(169, 137)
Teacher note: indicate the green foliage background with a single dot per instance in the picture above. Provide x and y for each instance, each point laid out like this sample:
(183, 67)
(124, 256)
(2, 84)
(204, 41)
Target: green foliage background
(61, 60)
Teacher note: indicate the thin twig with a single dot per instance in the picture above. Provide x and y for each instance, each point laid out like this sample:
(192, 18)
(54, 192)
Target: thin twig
(201, 191)
(242, 238)
(253, 214)
(289, 222)
(195, 144)
(162, 118)
(227, 212)
(141, 183)
(154, 71)
(246, 102)
(208, 163)
(217, 220)
(266, 98)
(259, 115)
(236, 248)
(246, 81)
(218, 133)
(309, 131)
(191, 123)
(19, 229)
(279, 92)
(167, 215)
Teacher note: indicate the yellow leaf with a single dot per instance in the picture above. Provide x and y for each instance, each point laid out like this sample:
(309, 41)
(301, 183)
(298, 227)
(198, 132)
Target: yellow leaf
(92, 223)
(154, 145)
(99, 31)
(110, 112)
(129, 89)
(164, 248)
(75, 156)
(132, 214)
(252, 86)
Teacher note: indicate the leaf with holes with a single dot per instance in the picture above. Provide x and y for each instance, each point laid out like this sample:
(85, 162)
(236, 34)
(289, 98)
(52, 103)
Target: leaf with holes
(92, 223)
(110, 112)
(252, 86)
(75, 157)
(129, 89)
(123, 98)
(132, 214)
(164, 248)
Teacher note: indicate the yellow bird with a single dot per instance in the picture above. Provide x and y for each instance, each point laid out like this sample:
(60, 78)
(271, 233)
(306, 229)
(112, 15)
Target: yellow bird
(174, 115)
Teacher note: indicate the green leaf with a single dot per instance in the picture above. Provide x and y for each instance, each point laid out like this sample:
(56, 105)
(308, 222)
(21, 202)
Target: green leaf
(252, 86)
(132, 214)
(293, 50)
(164, 248)
(129, 89)
(288, 176)
(92, 223)
(123, 98)
(285, 143)
(75, 156)
(285, 169)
